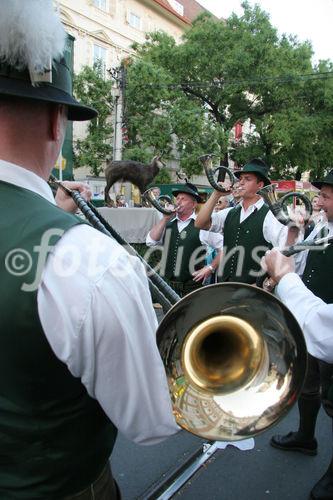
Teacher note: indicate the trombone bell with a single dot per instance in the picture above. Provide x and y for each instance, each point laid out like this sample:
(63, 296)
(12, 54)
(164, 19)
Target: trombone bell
(235, 360)
(222, 354)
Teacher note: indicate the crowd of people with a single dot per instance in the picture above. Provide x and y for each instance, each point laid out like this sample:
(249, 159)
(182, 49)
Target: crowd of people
(68, 338)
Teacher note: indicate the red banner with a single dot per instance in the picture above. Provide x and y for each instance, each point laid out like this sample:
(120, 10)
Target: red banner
(285, 185)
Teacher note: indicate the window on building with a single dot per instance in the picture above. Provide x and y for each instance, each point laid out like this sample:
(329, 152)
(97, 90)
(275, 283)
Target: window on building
(178, 7)
(101, 4)
(100, 54)
(134, 20)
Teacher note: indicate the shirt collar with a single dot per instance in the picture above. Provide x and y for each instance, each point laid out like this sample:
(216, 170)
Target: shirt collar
(257, 205)
(192, 216)
(21, 177)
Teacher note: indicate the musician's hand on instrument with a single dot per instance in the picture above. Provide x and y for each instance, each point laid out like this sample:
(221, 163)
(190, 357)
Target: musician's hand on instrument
(202, 274)
(277, 265)
(167, 217)
(269, 284)
(297, 218)
(170, 206)
(64, 200)
(226, 185)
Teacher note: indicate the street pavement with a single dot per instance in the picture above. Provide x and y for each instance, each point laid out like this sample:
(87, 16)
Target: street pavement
(258, 474)
(263, 473)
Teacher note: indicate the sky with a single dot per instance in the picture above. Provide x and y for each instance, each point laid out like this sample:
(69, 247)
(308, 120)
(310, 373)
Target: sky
(308, 19)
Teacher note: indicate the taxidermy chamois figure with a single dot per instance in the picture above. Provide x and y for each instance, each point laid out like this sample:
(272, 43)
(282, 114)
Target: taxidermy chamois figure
(132, 171)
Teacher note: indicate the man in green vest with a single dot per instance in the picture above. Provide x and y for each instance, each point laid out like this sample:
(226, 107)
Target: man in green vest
(249, 229)
(184, 247)
(77, 348)
(316, 268)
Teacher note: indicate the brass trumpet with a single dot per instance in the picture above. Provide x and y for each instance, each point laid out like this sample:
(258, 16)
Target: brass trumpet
(211, 171)
(277, 205)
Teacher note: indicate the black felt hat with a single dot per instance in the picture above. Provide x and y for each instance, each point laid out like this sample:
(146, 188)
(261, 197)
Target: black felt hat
(258, 167)
(188, 188)
(327, 180)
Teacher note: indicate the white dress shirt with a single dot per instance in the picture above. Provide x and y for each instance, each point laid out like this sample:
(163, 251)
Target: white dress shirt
(207, 238)
(95, 308)
(313, 314)
(274, 232)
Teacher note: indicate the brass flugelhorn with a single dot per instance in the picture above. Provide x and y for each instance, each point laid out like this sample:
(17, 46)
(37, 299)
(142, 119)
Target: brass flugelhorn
(278, 206)
(211, 171)
(159, 202)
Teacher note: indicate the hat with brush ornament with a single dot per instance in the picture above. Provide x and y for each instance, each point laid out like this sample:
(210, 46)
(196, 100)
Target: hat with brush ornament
(32, 63)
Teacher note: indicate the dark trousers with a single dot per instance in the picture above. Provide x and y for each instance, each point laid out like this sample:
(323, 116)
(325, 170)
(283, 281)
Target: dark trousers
(316, 391)
(319, 383)
(104, 488)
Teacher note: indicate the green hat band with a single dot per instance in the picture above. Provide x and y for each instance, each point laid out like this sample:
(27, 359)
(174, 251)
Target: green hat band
(61, 77)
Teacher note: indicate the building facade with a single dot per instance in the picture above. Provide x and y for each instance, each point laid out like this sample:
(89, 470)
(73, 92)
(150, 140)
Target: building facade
(105, 30)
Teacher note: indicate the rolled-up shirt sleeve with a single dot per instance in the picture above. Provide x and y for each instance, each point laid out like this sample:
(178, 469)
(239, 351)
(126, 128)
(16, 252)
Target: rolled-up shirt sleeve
(313, 314)
(152, 243)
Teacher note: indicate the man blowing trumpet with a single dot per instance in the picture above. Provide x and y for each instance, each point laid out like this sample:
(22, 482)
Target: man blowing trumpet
(77, 347)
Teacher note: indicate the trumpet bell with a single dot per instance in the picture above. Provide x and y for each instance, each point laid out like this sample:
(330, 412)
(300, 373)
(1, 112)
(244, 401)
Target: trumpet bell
(235, 359)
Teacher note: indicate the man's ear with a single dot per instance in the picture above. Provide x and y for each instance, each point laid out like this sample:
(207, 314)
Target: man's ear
(260, 184)
(57, 117)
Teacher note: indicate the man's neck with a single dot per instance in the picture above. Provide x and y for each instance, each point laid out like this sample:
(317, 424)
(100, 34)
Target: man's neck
(27, 163)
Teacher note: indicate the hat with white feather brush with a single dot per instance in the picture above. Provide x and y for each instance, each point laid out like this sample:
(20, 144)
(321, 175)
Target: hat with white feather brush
(32, 66)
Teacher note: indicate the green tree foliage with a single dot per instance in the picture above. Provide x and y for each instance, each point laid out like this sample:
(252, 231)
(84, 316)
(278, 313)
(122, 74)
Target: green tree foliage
(186, 98)
(93, 89)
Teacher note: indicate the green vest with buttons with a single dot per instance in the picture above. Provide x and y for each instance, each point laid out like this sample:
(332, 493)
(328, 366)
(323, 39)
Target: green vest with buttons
(55, 439)
(180, 251)
(318, 273)
(240, 239)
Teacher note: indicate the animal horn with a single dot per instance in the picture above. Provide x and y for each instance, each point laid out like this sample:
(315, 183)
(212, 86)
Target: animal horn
(278, 206)
(211, 171)
(160, 202)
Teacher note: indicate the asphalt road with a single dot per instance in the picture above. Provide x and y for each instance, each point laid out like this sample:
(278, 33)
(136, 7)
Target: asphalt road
(261, 473)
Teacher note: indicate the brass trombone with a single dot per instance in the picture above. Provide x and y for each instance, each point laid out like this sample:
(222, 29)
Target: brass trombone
(234, 355)
(235, 359)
